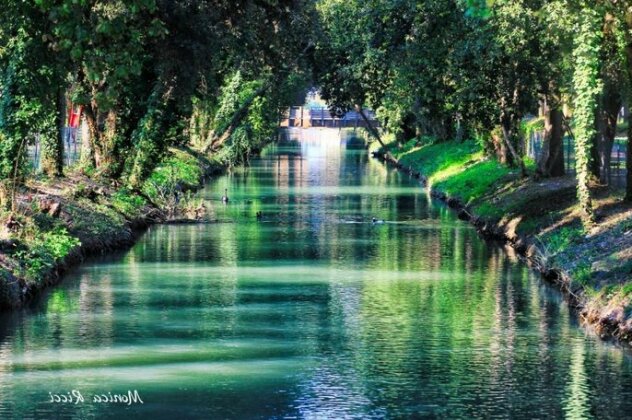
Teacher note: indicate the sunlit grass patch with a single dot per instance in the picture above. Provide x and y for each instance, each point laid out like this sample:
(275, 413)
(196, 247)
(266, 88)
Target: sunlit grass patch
(474, 181)
(432, 160)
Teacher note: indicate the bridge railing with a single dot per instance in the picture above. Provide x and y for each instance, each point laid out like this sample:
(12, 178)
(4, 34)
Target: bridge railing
(299, 116)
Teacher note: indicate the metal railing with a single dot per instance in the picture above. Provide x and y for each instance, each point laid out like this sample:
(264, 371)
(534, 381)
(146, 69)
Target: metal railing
(71, 146)
(617, 162)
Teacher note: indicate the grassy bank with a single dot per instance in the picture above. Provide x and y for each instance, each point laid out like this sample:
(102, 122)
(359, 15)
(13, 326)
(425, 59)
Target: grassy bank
(542, 221)
(60, 221)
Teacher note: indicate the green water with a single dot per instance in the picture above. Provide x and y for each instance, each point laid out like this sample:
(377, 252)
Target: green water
(312, 312)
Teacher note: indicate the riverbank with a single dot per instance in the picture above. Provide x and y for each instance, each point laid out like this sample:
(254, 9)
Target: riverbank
(59, 222)
(541, 221)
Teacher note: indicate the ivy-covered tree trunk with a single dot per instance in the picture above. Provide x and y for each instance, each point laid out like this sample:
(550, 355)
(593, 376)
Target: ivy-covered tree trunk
(149, 138)
(587, 86)
(448, 131)
(14, 132)
(52, 141)
(217, 139)
(407, 129)
(103, 140)
(11, 148)
(551, 161)
(200, 122)
(10, 134)
(106, 151)
(86, 158)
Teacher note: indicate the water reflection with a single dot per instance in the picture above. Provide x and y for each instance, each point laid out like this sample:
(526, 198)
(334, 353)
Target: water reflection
(313, 311)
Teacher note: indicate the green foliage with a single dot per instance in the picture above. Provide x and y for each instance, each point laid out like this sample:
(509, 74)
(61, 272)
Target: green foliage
(234, 93)
(149, 139)
(31, 78)
(24, 99)
(257, 109)
(179, 169)
(44, 251)
(529, 127)
(127, 202)
(140, 68)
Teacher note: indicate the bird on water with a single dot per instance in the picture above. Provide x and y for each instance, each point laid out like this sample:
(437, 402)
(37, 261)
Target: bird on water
(225, 196)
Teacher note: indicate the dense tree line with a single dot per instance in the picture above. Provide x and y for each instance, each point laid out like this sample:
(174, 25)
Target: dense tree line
(445, 70)
(149, 74)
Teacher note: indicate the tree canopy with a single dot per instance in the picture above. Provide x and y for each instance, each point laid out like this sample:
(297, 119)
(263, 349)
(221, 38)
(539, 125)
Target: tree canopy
(213, 75)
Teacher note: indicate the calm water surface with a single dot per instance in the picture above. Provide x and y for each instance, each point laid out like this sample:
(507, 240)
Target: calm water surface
(312, 312)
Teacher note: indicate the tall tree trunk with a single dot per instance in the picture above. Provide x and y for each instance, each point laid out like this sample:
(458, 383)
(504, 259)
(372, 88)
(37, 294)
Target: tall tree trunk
(372, 130)
(586, 52)
(106, 153)
(609, 111)
(551, 161)
(103, 141)
(594, 166)
(611, 98)
(407, 129)
(500, 149)
(88, 153)
(149, 137)
(628, 153)
(53, 140)
(417, 113)
(507, 123)
(628, 161)
(217, 140)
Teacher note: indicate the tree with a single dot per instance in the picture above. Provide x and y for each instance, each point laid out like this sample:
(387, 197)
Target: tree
(587, 88)
(30, 79)
(352, 53)
(625, 14)
(557, 40)
(551, 161)
(611, 99)
(108, 45)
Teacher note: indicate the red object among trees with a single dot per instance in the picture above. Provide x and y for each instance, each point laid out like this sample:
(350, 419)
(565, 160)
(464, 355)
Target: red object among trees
(74, 115)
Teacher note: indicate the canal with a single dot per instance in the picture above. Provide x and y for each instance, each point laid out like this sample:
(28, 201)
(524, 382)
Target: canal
(312, 311)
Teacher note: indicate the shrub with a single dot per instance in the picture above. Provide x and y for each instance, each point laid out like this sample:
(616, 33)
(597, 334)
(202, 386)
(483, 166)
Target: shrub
(44, 251)
(126, 202)
(178, 169)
